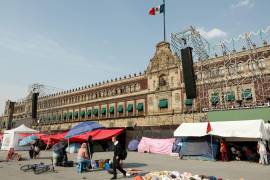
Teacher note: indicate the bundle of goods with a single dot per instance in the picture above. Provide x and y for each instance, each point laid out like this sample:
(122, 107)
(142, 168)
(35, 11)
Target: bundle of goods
(101, 164)
(175, 175)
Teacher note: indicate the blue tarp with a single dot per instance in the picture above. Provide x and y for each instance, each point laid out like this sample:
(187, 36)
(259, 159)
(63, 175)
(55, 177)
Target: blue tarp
(73, 148)
(199, 148)
(27, 140)
(133, 145)
(81, 128)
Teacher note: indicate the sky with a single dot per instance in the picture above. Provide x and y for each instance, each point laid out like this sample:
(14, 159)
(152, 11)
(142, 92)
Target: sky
(66, 44)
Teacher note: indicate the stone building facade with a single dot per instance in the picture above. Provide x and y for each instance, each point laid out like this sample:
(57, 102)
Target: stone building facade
(155, 98)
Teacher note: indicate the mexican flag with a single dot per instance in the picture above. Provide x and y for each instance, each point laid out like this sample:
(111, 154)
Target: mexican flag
(157, 10)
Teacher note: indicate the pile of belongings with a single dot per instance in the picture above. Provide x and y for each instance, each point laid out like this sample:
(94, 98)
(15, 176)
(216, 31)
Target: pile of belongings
(175, 175)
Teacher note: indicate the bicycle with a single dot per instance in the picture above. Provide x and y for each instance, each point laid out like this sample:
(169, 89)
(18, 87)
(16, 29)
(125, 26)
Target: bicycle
(38, 168)
(44, 168)
(29, 167)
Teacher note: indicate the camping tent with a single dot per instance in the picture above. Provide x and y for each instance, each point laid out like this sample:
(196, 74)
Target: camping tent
(156, 146)
(244, 130)
(12, 138)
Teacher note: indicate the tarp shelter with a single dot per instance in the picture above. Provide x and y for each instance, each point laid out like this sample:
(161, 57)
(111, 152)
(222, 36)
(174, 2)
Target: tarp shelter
(156, 146)
(12, 138)
(244, 130)
(199, 148)
(98, 134)
(81, 128)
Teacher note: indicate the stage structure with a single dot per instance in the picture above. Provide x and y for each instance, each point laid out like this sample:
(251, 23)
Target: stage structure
(222, 79)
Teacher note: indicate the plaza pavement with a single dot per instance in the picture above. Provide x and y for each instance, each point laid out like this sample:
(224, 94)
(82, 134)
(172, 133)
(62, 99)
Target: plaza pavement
(233, 170)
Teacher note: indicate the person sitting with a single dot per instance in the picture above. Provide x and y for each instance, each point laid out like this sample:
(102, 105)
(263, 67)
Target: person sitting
(11, 155)
(83, 156)
(236, 154)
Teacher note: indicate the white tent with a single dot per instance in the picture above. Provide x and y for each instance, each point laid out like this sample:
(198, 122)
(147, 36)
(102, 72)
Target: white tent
(12, 138)
(231, 130)
(267, 128)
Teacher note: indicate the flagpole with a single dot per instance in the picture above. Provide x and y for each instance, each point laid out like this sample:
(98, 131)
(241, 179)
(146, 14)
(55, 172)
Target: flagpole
(164, 29)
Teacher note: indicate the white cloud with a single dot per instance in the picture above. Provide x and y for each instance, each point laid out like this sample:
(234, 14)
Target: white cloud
(213, 33)
(243, 4)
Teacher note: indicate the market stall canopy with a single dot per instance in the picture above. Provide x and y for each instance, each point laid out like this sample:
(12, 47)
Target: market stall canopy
(83, 127)
(12, 138)
(21, 129)
(252, 129)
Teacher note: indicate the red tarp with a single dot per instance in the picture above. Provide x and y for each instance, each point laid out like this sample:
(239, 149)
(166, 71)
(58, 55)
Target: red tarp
(98, 134)
(104, 134)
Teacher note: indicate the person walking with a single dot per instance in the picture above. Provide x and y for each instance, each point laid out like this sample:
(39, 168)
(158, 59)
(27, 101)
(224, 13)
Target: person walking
(262, 151)
(118, 150)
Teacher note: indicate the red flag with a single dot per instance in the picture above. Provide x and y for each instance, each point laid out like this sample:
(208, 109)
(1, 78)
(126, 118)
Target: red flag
(209, 128)
(152, 11)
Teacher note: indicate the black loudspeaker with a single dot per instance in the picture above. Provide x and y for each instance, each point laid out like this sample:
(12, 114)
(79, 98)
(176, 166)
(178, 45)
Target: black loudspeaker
(188, 72)
(34, 105)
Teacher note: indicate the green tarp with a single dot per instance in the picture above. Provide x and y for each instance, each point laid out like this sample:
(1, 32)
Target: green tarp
(240, 114)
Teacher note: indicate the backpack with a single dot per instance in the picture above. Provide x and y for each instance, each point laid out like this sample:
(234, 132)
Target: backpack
(123, 155)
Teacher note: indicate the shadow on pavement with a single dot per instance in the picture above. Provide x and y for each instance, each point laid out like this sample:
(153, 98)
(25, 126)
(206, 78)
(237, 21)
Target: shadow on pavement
(133, 165)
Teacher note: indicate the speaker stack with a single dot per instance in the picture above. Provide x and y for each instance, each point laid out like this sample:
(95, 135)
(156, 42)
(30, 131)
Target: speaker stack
(188, 72)
(34, 105)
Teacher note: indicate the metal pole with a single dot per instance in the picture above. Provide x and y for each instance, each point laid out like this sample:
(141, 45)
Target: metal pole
(212, 146)
(164, 22)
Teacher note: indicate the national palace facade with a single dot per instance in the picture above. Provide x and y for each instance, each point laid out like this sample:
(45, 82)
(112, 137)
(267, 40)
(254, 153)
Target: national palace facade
(155, 97)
